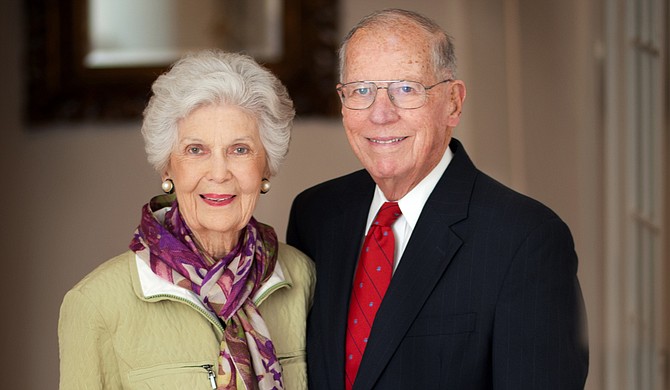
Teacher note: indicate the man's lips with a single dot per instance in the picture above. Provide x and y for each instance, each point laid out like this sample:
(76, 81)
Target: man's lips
(386, 141)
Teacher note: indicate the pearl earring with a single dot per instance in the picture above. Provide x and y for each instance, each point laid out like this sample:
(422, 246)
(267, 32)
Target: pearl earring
(168, 186)
(265, 186)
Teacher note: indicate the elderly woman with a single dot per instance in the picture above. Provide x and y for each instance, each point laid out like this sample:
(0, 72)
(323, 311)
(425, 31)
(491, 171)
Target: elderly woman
(206, 298)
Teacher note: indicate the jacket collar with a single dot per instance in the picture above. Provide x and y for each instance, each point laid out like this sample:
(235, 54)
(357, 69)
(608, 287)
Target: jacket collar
(151, 287)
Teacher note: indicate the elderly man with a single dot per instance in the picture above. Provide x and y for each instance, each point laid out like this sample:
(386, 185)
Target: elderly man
(431, 275)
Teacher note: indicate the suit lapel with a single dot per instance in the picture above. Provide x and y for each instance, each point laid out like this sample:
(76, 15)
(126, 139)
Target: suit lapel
(431, 248)
(345, 231)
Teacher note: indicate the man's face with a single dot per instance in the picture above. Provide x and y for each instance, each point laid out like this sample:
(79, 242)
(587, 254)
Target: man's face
(397, 146)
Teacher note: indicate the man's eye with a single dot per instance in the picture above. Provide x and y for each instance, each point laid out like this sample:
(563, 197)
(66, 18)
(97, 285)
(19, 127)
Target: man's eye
(405, 89)
(362, 91)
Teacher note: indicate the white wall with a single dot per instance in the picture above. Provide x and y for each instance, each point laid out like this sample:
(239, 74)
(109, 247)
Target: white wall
(71, 196)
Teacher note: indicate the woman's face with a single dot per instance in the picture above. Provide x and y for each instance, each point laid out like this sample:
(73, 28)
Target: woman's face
(217, 168)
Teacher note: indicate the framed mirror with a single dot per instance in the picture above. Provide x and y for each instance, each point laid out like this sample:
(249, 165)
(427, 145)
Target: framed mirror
(95, 60)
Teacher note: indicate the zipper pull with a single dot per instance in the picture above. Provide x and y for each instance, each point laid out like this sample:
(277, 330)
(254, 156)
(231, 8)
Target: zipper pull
(210, 375)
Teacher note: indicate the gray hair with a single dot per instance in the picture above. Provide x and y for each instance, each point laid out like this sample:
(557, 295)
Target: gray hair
(216, 77)
(443, 55)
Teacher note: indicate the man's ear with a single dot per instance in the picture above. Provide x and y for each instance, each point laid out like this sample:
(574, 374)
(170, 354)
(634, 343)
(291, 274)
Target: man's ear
(457, 94)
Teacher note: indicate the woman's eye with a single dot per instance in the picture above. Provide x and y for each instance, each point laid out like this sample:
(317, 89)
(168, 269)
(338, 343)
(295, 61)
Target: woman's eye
(194, 150)
(241, 150)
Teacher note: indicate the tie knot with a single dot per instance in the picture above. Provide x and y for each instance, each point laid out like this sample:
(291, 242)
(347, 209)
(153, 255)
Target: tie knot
(387, 214)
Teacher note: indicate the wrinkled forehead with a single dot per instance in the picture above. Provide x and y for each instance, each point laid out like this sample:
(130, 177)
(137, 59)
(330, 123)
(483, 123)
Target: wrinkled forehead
(386, 53)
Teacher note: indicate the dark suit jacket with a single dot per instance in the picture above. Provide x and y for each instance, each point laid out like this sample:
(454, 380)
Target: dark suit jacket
(485, 296)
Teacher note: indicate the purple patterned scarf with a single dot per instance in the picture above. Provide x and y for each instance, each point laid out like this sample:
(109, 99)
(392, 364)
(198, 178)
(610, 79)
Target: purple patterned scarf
(226, 286)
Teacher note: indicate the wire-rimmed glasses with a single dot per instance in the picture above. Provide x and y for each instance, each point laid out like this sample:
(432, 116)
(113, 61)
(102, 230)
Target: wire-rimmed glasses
(359, 95)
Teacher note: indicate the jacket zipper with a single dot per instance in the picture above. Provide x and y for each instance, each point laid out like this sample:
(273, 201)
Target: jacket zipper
(208, 315)
(167, 369)
(269, 292)
(215, 320)
(208, 367)
(210, 375)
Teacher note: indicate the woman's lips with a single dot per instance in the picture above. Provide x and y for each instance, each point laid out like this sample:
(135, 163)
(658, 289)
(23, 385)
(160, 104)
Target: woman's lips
(217, 199)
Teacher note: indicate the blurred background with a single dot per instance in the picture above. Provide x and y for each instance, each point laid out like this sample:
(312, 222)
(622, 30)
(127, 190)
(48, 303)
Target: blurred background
(567, 102)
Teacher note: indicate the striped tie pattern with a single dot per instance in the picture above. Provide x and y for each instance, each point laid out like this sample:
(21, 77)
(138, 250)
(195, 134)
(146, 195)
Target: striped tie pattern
(373, 275)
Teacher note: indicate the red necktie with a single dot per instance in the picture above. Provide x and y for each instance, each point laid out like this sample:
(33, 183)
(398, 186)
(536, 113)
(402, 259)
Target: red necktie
(373, 275)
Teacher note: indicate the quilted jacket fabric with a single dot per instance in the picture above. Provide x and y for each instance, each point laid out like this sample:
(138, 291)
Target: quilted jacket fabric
(122, 327)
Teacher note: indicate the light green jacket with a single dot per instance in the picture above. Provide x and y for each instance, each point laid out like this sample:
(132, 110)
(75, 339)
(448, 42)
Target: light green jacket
(123, 327)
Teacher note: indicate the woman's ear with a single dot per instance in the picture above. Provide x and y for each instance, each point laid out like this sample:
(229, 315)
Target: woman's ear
(266, 171)
(166, 173)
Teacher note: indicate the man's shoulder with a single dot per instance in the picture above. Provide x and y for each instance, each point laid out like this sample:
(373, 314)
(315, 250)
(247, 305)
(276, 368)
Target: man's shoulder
(491, 198)
(334, 188)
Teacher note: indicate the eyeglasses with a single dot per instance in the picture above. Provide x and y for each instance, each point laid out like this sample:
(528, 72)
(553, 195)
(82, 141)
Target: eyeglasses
(359, 95)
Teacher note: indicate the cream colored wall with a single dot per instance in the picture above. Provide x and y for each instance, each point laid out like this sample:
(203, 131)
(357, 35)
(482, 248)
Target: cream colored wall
(562, 134)
(71, 197)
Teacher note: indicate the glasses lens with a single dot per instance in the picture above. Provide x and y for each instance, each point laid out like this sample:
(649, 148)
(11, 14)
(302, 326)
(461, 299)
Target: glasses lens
(407, 94)
(358, 96)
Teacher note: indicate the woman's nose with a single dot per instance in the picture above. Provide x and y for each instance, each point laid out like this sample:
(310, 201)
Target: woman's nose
(219, 169)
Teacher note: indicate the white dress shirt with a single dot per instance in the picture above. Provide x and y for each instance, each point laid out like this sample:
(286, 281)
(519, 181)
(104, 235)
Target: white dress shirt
(411, 206)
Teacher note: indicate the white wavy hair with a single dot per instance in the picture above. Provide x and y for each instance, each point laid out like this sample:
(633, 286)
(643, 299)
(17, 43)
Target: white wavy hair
(217, 77)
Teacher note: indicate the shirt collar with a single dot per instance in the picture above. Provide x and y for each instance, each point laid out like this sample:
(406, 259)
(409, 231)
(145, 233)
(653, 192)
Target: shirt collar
(412, 203)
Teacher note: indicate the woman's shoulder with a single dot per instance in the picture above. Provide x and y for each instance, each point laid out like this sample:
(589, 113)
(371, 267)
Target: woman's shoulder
(110, 276)
(295, 262)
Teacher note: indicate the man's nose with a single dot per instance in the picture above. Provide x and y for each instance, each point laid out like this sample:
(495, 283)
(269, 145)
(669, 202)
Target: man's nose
(382, 109)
